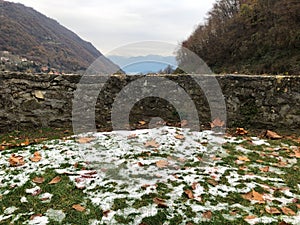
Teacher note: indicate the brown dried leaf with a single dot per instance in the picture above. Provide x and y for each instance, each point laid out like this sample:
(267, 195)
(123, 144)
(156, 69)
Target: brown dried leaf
(250, 217)
(284, 223)
(207, 215)
(26, 142)
(253, 195)
(212, 182)
(179, 137)
(105, 213)
(194, 185)
(36, 157)
(152, 144)
(132, 136)
(85, 140)
(34, 216)
(265, 169)
(287, 211)
(272, 210)
(184, 123)
(16, 160)
(142, 122)
(38, 180)
(189, 193)
(55, 180)
(161, 203)
(162, 163)
(272, 135)
(217, 123)
(244, 158)
(241, 131)
(78, 208)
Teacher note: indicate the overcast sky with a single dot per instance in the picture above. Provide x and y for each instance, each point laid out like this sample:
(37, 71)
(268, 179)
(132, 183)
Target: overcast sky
(109, 24)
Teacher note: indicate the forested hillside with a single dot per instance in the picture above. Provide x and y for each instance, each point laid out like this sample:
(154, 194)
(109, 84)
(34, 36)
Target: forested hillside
(249, 36)
(27, 33)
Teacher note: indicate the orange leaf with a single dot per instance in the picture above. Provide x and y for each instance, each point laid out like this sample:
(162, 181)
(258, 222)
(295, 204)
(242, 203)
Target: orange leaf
(162, 163)
(142, 122)
(16, 160)
(207, 215)
(152, 144)
(253, 195)
(241, 131)
(189, 193)
(265, 169)
(84, 140)
(78, 208)
(38, 180)
(250, 217)
(55, 180)
(272, 210)
(160, 202)
(244, 158)
(26, 142)
(179, 136)
(272, 135)
(217, 123)
(288, 211)
(36, 157)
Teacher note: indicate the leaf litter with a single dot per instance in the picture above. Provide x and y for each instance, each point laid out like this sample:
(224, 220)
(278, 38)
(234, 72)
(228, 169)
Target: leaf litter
(180, 175)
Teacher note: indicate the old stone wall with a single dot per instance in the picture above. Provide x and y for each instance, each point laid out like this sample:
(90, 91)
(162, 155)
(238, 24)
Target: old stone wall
(39, 100)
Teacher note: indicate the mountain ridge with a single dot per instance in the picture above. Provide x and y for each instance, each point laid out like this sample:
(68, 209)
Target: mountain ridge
(30, 34)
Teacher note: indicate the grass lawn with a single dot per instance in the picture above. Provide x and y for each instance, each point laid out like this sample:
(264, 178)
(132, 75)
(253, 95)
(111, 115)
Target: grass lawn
(148, 177)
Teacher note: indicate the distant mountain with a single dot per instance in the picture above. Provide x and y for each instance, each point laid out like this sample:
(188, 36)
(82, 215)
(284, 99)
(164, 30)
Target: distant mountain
(143, 64)
(28, 33)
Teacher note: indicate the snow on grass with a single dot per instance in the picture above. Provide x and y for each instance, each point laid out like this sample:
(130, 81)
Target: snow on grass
(123, 172)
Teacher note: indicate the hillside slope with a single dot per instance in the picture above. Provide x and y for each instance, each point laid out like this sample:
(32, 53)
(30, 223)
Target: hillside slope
(249, 36)
(30, 34)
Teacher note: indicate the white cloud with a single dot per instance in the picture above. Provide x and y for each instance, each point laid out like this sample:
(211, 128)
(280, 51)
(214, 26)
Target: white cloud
(109, 24)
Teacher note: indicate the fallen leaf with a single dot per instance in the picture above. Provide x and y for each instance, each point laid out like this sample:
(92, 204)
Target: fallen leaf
(284, 223)
(250, 217)
(272, 210)
(272, 135)
(265, 169)
(85, 140)
(161, 203)
(253, 195)
(26, 142)
(152, 144)
(142, 122)
(194, 185)
(32, 217)
(217, 123)
(189, 193)
(184, 123)
(212, 182)
(241, 131)
(132, 136)
(38, 180)
(297, 154)
(78, 208)
(16, 160)
(140, 164)
(244, 158)
(179, 137)
(298, 206)
(36, 157)
(287, 211)
(207, 215)
(55, 180)
(105, 213)
(162, 163)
